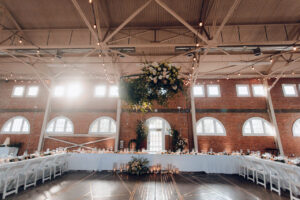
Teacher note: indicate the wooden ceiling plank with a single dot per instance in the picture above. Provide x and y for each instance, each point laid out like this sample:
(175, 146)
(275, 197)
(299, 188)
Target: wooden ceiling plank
(127, 21)
(181, 20)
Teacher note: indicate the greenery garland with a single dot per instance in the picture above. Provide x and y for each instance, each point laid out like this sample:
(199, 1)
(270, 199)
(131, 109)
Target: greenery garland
(141, 135)
(158, 82)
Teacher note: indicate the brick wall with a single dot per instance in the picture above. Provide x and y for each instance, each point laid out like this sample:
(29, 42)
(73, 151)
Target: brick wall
(231, 110)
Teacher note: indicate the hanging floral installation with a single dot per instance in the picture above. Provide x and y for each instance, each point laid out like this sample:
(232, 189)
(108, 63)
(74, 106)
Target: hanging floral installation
(158, 82)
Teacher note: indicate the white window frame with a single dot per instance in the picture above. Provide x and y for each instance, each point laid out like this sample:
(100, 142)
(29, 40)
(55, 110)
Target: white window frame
(215, 121)
(294, 126)
(111, 120)
(242, 95)
(257, 95)
(213, 85)
(54, 120)
(109, 91)
(199, 95)
(59, 86)
(287, 95)
(252, 130)
(13, 91)
(165, 131)
(11, 120)
(32, 96)
(100, 96)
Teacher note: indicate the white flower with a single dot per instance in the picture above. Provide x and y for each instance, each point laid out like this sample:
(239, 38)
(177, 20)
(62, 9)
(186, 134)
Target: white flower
(155, 64)
(160, 77)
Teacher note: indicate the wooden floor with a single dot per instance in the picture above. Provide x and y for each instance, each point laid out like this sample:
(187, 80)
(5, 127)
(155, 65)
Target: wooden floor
(107, 186)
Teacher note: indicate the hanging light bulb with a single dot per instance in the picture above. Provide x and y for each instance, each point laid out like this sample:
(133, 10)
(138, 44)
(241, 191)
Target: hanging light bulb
(271, 59)
(293, 73)
(194, 59)
(90, 1)
(200, 24)
(38, 51)
(20, 40)
(252, 67)
(197, 45)
(100, 55)
(98, 43)
(294, 48)
(95, 26)
(239, 74)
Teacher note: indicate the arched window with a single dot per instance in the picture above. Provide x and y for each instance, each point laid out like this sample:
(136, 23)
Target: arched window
(257, 126)
(158, 128)
(296, 128)
(60, 124)
(210, 126)
(103, 125)
(16, 125)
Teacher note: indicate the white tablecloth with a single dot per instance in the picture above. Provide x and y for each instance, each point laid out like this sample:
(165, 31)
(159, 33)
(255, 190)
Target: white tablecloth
(186, 163)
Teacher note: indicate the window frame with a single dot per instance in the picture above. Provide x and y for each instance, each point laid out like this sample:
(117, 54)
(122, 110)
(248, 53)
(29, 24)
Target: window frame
(264, 122)
(105, 92)
(64, 133)
(215, 121)
(109, 91)
(256, 95)
(13, 91)
(32, 96)
(203, 89)
(212, 85)
(293, 128)
(242, 85)
(295, 88)
(165, 131)
(63, 93)
(16, 132)
(98, 128)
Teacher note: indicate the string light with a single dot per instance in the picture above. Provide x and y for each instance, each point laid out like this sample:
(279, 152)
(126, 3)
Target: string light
(200, 24)
(293, 73)
(194, 59)
(239, 74)
(98, 43)
(252, 67)
(197, 45)
(100, 55)
(271, 59)
(20, 40)
(95, 26)
(294, 48)
(90, 1)
(38, 51)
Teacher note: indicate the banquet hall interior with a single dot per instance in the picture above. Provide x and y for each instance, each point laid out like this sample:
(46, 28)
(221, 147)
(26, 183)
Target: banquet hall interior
(150, 99)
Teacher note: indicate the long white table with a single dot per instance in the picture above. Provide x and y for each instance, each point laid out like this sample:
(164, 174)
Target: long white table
(186, 163)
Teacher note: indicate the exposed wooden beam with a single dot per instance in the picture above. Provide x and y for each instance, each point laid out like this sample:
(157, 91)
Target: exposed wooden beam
(181, 20)
(226, 18)
(96, 6)
(84, 18)
(127, 21)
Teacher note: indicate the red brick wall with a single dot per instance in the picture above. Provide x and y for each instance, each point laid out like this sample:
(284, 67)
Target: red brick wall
(84, 110)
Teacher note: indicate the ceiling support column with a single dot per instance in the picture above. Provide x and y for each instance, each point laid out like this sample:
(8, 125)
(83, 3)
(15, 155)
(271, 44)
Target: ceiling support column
(45, 121)
(273, 118)
(119, 110)
(193, 111)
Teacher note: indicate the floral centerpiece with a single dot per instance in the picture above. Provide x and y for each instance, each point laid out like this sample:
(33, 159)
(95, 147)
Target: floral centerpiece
(158, 82)
(178, 143)
(138, 166)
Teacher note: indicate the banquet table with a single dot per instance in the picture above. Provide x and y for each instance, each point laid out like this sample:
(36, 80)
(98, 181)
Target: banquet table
(186, 163)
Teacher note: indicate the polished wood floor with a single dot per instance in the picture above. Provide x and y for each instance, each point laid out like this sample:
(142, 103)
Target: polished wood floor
(108, 186)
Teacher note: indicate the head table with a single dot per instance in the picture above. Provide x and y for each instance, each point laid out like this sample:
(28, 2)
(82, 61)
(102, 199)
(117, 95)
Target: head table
(186, 163)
